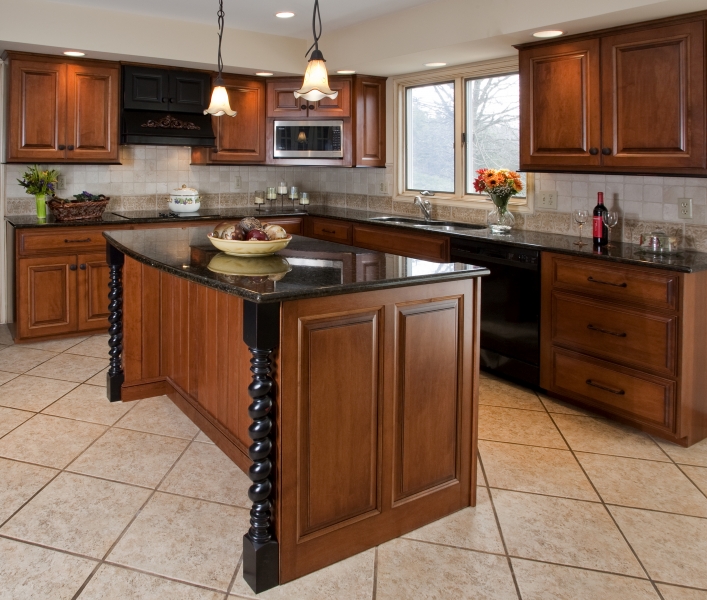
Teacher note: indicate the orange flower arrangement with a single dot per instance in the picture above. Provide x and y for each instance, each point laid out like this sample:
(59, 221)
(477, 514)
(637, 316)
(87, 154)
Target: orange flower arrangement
(501, 182)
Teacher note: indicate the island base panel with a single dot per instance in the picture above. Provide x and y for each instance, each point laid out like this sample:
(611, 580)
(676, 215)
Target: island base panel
(375, 403)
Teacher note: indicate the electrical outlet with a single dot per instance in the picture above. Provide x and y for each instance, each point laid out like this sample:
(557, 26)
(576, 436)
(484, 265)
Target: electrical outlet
(237, 182)
(685, 208)
(547, 200)
(383, 188)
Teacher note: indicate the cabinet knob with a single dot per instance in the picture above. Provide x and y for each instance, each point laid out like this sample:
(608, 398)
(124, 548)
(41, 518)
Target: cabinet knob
(72, 267)
(606, 151)
(62, 147)
(164, 100)
(311, 107)
(71, 146)
(594, 151)
(303, 107)
(82, 267)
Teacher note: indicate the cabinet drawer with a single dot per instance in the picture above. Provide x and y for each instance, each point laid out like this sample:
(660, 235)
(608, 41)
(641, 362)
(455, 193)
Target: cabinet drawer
(640, 286)
(622, 391)
(290, 225)
(644, 340)
(386, 239)
(78, 239)
(336, 231)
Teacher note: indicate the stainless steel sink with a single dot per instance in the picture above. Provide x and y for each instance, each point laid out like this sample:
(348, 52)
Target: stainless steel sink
(447, 226)
(405, 220)
(434, 225)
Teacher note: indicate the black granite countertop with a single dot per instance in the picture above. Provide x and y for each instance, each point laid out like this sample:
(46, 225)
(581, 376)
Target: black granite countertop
(685, 262)
(307, 268)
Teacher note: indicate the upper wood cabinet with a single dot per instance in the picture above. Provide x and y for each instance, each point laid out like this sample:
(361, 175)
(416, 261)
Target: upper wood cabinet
(149, 88)
(629, 100)
(560, 107)
(282, 103)
(369, 117)
(62, 111)
(240, 139)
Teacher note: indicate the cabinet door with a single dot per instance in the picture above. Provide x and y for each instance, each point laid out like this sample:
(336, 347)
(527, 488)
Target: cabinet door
(145, 88)
(46, 296)
(92, 291)
(242, 138)
(189, 92)
(560, 108)
(92, 112)
(339, 107)
(370, 122)
(653, 97)
(37, 111)
(281, 98)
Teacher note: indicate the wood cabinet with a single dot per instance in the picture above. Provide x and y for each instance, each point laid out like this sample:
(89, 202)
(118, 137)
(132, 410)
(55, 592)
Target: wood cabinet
(62, 111)
(163, 90)
(61, 282)
(621, 340)
(369, 121)
(627, 100)
(240, 139)
(282, 103)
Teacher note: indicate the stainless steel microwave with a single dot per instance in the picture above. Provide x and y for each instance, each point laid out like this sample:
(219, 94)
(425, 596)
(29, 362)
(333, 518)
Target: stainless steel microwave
(308, 139)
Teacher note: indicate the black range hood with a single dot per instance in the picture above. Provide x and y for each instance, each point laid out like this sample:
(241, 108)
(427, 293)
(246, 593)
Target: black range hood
(165, 107)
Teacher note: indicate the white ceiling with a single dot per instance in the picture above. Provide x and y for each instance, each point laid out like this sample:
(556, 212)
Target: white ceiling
(259, 15)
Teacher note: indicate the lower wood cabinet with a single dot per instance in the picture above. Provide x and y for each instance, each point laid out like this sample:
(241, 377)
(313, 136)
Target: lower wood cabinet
(93, 277)
(627, 341)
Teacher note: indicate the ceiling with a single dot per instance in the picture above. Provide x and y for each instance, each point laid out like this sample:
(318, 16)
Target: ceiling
(259, 15)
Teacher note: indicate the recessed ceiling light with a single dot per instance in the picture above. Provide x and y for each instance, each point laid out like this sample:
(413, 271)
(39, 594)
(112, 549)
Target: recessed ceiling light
(285, 15)
(548, 34)
(74, 53)
(346, 72)
(264, 74)
(437, 64)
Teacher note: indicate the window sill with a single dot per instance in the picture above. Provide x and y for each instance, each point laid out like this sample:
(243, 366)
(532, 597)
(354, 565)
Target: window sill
(471, 203)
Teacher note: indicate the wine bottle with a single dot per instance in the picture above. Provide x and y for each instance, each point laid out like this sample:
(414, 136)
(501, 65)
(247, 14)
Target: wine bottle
(600, 232)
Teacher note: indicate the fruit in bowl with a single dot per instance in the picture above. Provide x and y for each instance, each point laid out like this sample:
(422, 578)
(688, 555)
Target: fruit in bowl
(249, 237)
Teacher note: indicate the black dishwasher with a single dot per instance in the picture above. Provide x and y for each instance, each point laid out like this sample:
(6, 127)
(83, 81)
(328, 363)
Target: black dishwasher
(510, 307)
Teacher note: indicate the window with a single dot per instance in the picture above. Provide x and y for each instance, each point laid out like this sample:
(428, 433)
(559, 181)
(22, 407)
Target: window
(453, 122)
(430, 137)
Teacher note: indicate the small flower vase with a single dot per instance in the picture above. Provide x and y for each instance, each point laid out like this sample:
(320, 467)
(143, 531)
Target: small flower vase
(500, 219)
(41, 205)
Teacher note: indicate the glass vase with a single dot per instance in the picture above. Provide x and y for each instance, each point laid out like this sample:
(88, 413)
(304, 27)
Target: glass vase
(500, 219)
(41, 205)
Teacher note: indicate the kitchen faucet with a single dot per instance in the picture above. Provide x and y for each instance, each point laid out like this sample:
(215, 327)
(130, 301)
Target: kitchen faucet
(425, 207)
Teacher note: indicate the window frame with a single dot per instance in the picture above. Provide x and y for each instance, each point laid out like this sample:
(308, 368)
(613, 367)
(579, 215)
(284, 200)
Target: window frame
(459, 75)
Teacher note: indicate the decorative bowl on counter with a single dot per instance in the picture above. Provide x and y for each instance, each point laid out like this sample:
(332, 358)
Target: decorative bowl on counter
(184, 200)
(272, 267)
(248, 248)
(659, 242)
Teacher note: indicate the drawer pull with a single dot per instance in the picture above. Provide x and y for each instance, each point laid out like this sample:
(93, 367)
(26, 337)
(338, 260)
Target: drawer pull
(84, 241)
(328, 231)
(605, 388)
(600, 330)
(592, 280)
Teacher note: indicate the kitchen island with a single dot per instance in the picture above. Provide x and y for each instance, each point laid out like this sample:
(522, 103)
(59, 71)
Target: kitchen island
(343, 381)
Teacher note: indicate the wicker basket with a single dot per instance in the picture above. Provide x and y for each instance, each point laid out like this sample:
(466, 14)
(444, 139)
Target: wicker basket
(77, 211)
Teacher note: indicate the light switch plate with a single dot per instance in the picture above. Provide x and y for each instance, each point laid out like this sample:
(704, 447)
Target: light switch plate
(546, 200)
(383, 188)
(685, 208)
(60, 183)
(237, 182)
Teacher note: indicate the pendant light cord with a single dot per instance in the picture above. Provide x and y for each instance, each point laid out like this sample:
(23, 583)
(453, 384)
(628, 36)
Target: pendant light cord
(316, 16)
(220, 14)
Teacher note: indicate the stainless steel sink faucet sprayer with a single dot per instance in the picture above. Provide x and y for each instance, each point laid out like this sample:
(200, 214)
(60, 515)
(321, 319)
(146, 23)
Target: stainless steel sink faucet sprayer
(425, 207)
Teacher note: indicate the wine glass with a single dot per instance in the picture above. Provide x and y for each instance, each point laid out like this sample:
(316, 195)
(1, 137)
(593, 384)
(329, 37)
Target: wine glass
(580, 217)
(610, 219)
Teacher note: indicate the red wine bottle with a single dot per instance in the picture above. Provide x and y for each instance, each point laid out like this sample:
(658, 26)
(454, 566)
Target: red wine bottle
(600, 232)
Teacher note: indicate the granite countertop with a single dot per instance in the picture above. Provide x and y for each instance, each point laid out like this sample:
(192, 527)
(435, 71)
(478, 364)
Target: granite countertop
(684, 262)
(307, 268)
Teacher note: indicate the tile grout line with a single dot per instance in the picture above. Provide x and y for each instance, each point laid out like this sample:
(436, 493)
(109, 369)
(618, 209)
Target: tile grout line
(500, 531)
(374, 591)
(132, 520)
(229, 589)
(678, 465)
(606, 508)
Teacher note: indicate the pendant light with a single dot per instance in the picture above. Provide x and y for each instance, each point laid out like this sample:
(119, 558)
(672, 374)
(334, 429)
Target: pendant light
(316, 81)
(219, 97)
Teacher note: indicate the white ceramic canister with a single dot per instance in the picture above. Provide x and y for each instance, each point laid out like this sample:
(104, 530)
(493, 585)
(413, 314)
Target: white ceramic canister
(184, 200)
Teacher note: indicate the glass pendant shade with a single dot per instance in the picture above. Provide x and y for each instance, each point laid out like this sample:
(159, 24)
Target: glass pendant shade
(316, 81)
(302, 137)
(219, 103)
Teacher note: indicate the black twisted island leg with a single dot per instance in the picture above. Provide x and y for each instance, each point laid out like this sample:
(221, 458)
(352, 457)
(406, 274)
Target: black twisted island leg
(261, 554)
(115, 375)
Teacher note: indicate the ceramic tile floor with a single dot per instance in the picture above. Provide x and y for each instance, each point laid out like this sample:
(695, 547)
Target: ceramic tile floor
(110, 501)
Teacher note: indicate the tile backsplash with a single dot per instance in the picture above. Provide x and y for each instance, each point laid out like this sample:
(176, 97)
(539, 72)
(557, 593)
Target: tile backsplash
(148, 173)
